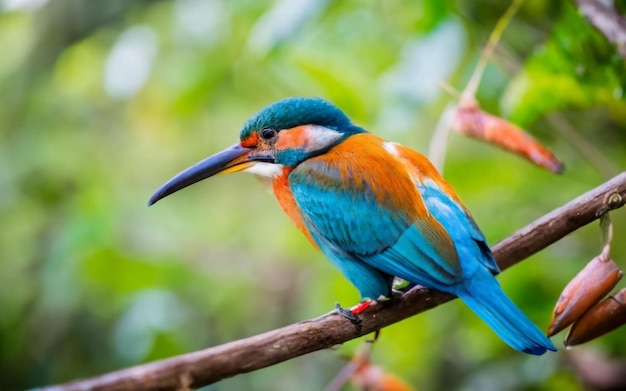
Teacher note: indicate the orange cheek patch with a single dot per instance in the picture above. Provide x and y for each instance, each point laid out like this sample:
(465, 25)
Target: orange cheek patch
(292, 138)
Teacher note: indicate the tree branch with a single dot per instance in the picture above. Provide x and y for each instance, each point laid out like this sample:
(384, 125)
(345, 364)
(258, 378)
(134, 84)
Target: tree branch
(245, 355)
(607, 20)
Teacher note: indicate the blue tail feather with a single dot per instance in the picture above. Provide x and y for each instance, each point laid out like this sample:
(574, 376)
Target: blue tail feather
(482, 293)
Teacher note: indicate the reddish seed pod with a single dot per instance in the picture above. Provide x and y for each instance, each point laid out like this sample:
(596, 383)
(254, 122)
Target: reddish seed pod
(601, 319)
(473, 122)
(589, 286)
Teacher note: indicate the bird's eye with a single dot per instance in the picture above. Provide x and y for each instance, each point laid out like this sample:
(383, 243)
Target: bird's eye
(268, 133)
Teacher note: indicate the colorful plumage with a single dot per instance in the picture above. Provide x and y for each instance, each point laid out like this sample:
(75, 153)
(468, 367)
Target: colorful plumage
(376, 209)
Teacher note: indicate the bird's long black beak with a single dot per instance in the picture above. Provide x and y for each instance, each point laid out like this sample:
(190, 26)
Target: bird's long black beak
(234, 158)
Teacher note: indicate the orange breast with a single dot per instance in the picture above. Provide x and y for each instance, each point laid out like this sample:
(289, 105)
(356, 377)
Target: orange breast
(286, 201)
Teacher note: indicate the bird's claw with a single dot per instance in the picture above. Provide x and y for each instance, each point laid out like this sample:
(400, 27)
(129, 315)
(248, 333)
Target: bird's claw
(348, 314)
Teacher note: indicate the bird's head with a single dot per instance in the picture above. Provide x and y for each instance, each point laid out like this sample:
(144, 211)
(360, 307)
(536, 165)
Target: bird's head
(283, 134)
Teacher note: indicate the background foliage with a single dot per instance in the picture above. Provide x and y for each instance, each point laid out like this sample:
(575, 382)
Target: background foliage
(104, 101)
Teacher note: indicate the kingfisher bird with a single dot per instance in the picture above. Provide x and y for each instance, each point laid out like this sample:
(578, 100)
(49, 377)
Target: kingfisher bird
(375, 208)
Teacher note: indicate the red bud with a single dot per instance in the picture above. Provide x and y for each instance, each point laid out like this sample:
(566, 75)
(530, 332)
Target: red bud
(473, 122)
(602, 318)
(589, 286)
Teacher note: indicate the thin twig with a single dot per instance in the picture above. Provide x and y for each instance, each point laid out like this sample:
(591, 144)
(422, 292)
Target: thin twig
(439, 141)
(494, 38)
(213, 364)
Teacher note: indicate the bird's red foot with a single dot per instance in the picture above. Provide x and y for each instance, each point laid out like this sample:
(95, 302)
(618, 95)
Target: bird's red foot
(362, 306)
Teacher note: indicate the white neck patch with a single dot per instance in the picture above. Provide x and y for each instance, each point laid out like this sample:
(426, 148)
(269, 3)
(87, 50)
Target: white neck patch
(269, 170)
(320, 137)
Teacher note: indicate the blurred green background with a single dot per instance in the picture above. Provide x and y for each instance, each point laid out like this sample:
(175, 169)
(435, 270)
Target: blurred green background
(102, 101)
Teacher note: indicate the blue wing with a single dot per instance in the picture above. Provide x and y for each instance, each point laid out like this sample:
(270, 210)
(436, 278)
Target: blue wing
(409, 256)
(346, 219)
(352, 227)
(467, 237)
